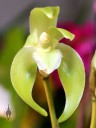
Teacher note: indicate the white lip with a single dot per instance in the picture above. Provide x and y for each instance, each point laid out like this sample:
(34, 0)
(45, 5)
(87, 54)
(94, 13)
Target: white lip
(45, 61)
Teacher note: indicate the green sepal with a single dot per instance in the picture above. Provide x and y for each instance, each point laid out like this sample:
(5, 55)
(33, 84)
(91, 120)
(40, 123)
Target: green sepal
(42, 18)
(59, 33)
(72, 75)
(23, 75)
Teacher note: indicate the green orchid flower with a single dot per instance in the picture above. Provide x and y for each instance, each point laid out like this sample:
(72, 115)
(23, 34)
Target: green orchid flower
(43, 50)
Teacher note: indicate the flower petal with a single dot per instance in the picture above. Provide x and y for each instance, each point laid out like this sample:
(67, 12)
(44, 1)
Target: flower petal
(72, 75)
(45, 60)
(23, 74)
(32, 39)
(59, 33)
(42, 18)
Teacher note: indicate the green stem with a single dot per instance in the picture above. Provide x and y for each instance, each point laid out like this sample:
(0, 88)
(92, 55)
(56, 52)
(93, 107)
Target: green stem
(92, 85)
(53, 118)
(93, 118)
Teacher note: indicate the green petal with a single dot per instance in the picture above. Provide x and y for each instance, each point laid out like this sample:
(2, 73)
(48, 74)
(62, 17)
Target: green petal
(42, 18)
(23, 74)
(59, 33)
(72, 75)
(32, 39)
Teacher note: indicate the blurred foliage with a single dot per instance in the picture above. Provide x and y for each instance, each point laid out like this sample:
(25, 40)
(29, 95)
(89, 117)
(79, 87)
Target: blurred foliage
(13, 40)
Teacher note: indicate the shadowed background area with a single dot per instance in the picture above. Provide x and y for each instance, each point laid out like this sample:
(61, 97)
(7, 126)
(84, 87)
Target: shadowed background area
(77, 16)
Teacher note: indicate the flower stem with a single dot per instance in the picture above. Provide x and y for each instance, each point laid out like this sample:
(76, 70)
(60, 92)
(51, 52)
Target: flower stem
(92, 85)
(93, 118)
(47, 88)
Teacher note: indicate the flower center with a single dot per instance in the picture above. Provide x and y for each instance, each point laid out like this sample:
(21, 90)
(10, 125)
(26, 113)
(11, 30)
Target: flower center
(44, 40)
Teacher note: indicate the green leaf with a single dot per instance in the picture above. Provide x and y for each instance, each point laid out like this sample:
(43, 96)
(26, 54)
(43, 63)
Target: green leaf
(13, 39)
(42, 18)
(23, 74)
(72, 76)
(59, 33)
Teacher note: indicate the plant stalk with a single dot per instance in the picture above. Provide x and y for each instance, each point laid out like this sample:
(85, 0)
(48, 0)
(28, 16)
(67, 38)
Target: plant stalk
(50, 102)
(92, 85)
(93, 118)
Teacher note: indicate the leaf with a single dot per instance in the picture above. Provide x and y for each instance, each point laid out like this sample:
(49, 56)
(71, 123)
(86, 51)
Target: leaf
(23, 74)
(14, 39)
(72, 76)
(59, 33)
(42, 18)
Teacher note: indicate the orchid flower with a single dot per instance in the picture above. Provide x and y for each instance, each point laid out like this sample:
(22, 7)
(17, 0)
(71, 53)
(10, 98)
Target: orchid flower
(42, 50)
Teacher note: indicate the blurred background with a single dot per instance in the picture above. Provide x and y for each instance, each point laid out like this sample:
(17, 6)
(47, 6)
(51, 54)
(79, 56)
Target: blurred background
(77, 16)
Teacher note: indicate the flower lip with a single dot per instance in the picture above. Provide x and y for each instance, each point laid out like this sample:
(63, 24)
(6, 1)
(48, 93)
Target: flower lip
(45, 61)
